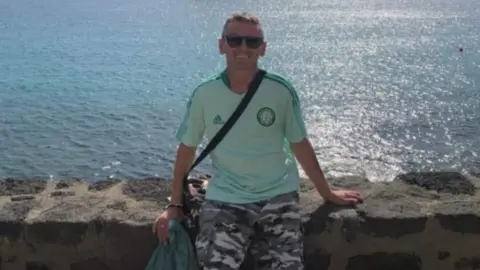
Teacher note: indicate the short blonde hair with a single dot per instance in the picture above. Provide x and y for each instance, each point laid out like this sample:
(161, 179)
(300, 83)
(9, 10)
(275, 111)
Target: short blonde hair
(241, 17)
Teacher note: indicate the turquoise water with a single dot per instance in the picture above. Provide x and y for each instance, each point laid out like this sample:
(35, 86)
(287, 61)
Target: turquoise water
(96, 89)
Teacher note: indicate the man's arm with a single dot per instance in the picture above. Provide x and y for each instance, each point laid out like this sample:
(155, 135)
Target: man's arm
(183, 162)
(190, 134)
(296, 133)
(305, 155)
(302, 148)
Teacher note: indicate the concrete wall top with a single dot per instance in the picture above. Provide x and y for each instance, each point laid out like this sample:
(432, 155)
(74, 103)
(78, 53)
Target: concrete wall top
(98, 224)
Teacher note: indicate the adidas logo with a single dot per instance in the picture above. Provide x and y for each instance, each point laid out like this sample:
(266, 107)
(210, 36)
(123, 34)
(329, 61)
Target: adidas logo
(217, 120)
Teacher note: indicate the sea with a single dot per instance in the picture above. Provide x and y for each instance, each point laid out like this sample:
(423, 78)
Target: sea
(97, 89)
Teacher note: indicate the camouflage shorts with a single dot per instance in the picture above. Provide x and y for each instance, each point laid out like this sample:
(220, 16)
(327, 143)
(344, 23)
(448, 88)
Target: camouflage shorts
(270, 231)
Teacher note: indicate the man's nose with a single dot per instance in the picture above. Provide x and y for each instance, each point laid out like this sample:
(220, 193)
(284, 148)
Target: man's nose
(243, 45)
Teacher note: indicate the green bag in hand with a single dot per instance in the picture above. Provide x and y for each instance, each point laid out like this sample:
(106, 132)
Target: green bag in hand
(178, 254)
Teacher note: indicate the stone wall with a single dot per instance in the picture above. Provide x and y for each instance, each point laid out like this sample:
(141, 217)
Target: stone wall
(418, 221)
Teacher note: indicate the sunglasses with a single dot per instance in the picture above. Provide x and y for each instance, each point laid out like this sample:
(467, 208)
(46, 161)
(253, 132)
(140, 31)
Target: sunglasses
(251, 42)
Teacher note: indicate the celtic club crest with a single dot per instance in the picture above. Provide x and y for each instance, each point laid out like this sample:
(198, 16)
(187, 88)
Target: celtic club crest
(266, 116)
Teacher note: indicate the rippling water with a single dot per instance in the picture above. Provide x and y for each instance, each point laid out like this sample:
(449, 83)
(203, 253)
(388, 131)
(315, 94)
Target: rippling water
(97, 89)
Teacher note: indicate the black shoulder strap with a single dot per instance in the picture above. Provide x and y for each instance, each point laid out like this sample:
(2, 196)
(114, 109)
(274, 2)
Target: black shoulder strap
(252, 88)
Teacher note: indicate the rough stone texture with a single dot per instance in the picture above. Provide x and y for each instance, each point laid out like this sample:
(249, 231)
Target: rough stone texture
(442, 255)
(468, 263)
(58, 193)
(150, 189)
(102, 184)
(36, 266)
(10, 186)
(22, 198)
(317, 259)
(418, 221)
(67, 183)
(383, 260)
(90, 264)
(451, 182)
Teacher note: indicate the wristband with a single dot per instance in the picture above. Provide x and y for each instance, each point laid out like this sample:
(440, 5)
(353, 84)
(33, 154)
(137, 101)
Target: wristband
(173, 205)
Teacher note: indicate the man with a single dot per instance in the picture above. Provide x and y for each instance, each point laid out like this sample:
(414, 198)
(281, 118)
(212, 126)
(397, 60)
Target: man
(252, 199)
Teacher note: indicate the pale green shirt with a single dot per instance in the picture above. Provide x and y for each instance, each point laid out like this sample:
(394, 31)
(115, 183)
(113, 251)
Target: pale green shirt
(253, 162)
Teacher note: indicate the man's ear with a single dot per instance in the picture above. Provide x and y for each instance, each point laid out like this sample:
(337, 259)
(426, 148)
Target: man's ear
(263, 48)
(220, 46)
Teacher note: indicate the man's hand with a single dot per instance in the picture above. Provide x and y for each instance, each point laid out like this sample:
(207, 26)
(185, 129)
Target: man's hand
(344, 197)
(161, 228)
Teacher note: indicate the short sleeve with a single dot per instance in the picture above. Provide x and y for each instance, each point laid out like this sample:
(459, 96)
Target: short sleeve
(295, 129)
(192, 128)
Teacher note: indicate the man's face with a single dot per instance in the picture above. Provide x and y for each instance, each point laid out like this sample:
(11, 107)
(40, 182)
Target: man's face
(242, 44)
